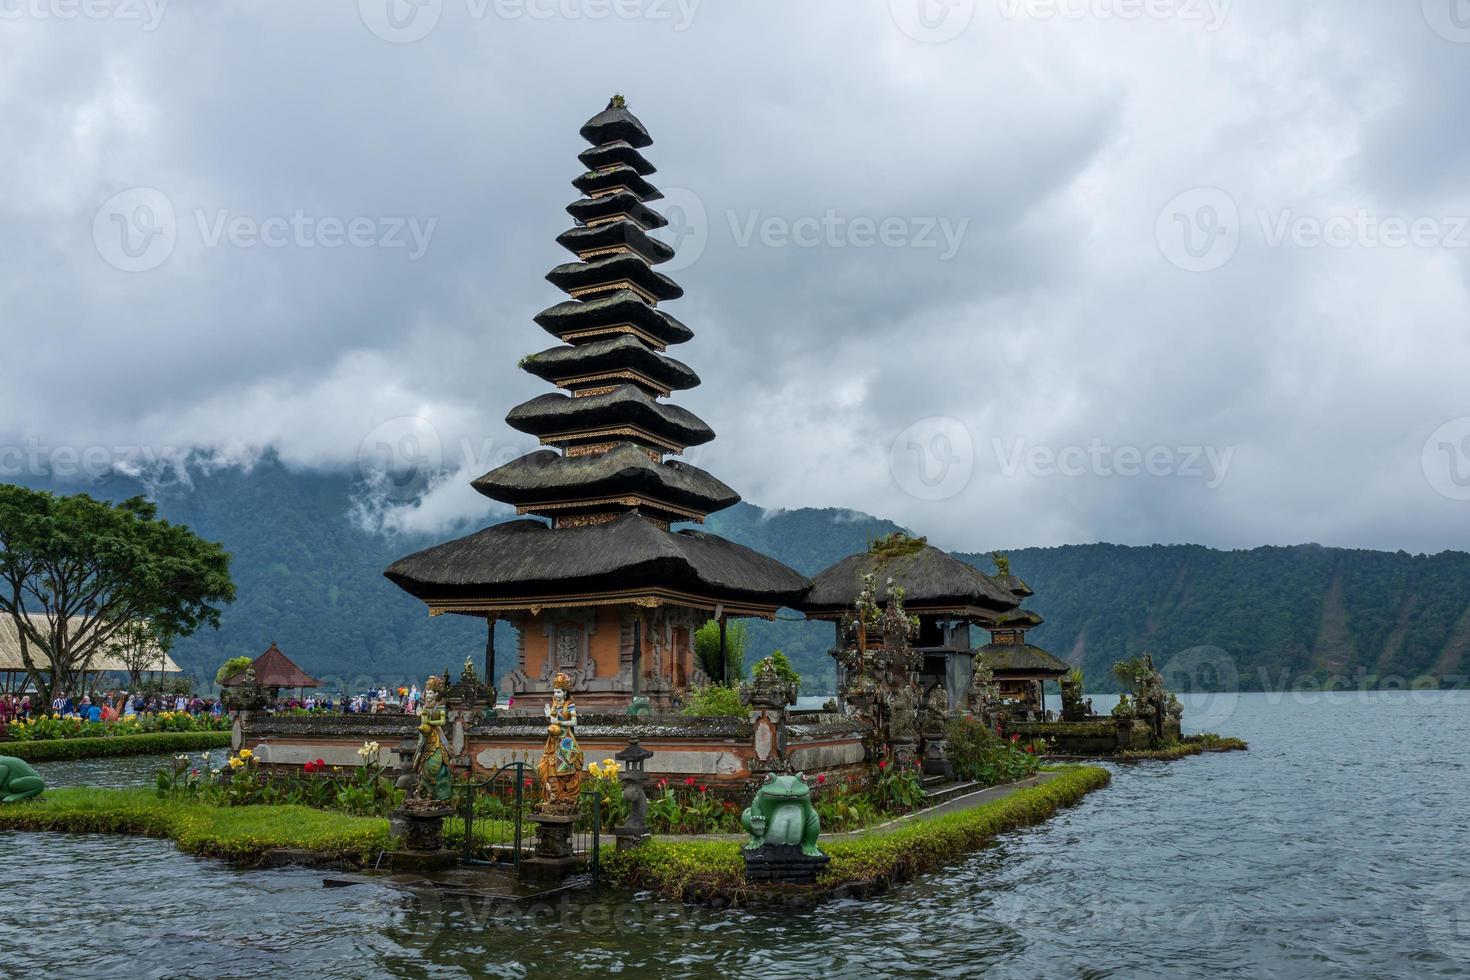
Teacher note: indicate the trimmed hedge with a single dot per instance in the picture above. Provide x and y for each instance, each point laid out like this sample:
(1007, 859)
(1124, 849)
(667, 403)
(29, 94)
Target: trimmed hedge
(715, 870)
(246, 835)
(66, 749)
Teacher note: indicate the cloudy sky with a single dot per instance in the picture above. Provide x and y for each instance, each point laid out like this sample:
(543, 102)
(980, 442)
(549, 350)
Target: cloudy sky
(1011, 272)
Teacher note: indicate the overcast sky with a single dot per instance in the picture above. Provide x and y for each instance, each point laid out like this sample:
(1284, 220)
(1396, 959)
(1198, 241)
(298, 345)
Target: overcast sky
(1011, 273)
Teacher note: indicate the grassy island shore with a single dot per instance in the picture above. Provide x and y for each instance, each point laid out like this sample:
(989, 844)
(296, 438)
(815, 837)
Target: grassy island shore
(714, 871)
(245, 835)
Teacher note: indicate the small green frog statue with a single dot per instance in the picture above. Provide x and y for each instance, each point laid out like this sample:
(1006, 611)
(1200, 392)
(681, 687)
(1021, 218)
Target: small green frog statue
(18, 781)
(782, 814)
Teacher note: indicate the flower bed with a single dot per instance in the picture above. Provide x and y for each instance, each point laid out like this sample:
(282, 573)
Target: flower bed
(715, 870)
(362, 790)
(53, 727)
(245, 835)
(66, 749)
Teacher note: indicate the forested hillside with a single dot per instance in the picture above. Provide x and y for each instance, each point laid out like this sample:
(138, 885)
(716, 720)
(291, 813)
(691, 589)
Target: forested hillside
(311, 581)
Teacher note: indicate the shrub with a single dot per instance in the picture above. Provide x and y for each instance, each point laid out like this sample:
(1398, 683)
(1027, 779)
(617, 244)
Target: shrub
(50, 727)
(714, 701)
(54, 750)
(979, 755)
(233, 668)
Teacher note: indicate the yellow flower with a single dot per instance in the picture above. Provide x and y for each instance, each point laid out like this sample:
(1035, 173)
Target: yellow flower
(246, 754)
(595, 769)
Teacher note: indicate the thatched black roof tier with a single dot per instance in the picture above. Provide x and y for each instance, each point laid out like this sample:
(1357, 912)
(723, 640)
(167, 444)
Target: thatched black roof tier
(549, 477)
(1016, 619)
(523, 564)
(615, 234)
(561, 415)
(559, 365)
(616, 152)
(932, 581)
(621, 177)
(569, 320)
(1014, 586)
(613, 124)
(622, 268)
(1021, 659)
(591, 210)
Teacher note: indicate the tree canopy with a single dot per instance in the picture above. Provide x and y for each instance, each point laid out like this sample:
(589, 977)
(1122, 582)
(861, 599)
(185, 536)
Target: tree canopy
(76, 573)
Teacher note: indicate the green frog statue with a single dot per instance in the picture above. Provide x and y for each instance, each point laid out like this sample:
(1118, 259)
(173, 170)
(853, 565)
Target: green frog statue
(782, 815)
(18, 781)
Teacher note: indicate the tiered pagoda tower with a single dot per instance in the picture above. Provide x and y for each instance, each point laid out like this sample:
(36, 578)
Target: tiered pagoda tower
(1021, 670)
(600, 586)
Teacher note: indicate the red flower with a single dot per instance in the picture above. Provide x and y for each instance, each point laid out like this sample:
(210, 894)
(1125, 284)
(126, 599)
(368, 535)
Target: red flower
(1030, 750)
(321, 764)
(309, 768)
(528, 782)
(663, 783)
(689, 781)
(882, 763)
(821, 779)
(1015, 739)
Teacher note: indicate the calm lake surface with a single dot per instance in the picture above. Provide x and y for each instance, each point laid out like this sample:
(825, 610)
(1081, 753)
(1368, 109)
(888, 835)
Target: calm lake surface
(1336, 847)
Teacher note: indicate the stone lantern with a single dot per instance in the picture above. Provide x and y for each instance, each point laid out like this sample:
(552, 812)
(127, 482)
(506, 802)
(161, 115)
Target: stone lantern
(634, 831)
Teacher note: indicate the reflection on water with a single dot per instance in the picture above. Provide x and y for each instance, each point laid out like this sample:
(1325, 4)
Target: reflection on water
(1334, 848)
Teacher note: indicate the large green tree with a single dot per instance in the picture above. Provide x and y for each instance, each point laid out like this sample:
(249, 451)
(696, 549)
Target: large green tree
(76, 573)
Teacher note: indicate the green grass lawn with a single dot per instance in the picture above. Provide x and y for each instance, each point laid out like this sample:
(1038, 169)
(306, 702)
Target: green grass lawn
(704, 869)
(245, 835)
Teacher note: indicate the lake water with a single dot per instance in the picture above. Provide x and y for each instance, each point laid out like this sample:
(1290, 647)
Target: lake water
(1336, 847)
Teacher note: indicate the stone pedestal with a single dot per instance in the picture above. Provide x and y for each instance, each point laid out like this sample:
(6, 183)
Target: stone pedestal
(554, 858)
(905, 753)
(783, 864)
(935, 761)
(420, 831)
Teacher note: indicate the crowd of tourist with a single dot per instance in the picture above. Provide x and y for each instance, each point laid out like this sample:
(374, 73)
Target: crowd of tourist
(402, 700)
(107, 706)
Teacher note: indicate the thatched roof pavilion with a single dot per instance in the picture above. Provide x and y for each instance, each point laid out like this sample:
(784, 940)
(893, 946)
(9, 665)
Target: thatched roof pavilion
(599, 584)
(274, 671)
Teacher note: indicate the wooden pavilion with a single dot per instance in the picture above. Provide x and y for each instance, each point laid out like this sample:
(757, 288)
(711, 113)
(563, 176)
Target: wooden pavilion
(275, 672)
(946, 595)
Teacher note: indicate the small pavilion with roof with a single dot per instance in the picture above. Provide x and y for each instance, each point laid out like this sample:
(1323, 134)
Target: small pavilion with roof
(946, 595)
(1021, 669)
(275, 672)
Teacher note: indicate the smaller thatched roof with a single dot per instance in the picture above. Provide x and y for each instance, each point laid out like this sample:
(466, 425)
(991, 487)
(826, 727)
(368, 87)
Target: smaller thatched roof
(627, 404)
(623, 308)
(1021, 660)
(273, 669)
(932, 581)
(104, 663)
(622, 267)
(547, 476)
(621, 353)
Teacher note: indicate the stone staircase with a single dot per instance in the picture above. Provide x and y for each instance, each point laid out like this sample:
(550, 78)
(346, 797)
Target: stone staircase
(938, 790)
